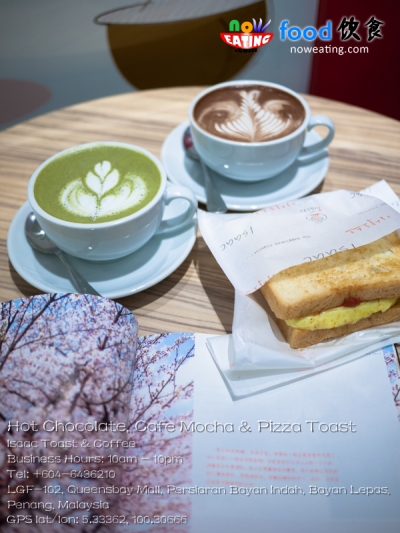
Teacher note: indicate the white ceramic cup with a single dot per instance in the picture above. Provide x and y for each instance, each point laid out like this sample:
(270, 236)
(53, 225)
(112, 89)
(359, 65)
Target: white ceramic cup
(106, 241)
(256, 161)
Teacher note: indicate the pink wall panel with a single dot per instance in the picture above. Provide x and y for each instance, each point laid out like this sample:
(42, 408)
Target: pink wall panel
(370, 79)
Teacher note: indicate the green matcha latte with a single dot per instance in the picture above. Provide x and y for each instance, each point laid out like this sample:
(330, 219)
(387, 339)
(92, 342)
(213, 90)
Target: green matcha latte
(98, 183)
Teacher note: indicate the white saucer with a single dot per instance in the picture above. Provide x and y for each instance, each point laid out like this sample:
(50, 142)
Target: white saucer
(113, 279)
(295, 182)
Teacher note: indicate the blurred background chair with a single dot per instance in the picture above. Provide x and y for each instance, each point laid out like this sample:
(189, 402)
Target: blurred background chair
(20, 98)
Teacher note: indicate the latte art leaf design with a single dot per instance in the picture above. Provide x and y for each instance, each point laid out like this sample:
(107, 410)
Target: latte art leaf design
(249, 114)
(251, 121)
(103, 180)
(103, 192)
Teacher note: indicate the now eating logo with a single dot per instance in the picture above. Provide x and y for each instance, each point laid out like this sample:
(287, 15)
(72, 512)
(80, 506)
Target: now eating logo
(252, 35)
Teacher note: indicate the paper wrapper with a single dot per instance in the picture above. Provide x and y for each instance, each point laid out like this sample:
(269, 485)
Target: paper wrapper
(253, 247)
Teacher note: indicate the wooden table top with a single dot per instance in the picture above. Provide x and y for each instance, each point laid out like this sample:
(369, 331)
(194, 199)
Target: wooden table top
(197, 296)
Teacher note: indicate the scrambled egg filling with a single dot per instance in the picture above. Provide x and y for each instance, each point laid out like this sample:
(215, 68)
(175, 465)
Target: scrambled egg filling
(341, 316)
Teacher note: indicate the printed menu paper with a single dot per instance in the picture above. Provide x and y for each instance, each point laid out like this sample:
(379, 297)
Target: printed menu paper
(104, 431)
(279, 475)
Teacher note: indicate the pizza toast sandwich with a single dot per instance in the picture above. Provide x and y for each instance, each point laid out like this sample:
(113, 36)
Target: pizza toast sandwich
(337, 295)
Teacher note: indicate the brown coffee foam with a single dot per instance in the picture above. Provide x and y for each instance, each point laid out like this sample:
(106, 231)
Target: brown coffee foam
(249, 113)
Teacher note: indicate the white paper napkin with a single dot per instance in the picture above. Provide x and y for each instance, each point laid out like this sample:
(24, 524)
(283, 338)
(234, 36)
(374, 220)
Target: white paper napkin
(244, 383)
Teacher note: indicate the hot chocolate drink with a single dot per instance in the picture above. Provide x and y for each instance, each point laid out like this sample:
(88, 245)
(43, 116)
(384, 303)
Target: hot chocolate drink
(98, 183)
(249, 113)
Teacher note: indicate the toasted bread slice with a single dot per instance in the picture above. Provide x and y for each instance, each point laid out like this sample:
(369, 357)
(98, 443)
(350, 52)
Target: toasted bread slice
(369, 272)
(299, 338)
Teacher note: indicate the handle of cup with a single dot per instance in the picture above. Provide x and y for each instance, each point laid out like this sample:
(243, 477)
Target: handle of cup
(309, 152)
(174, 192)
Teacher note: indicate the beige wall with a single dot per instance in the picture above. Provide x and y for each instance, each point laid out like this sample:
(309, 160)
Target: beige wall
(56, 44)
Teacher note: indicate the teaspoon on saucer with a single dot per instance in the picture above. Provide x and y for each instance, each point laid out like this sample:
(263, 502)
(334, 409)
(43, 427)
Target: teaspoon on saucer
(215, 202)
(38, 239)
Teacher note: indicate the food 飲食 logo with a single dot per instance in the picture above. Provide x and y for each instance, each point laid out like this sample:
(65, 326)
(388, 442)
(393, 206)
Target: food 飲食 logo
(348, 30)
(251, 36)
